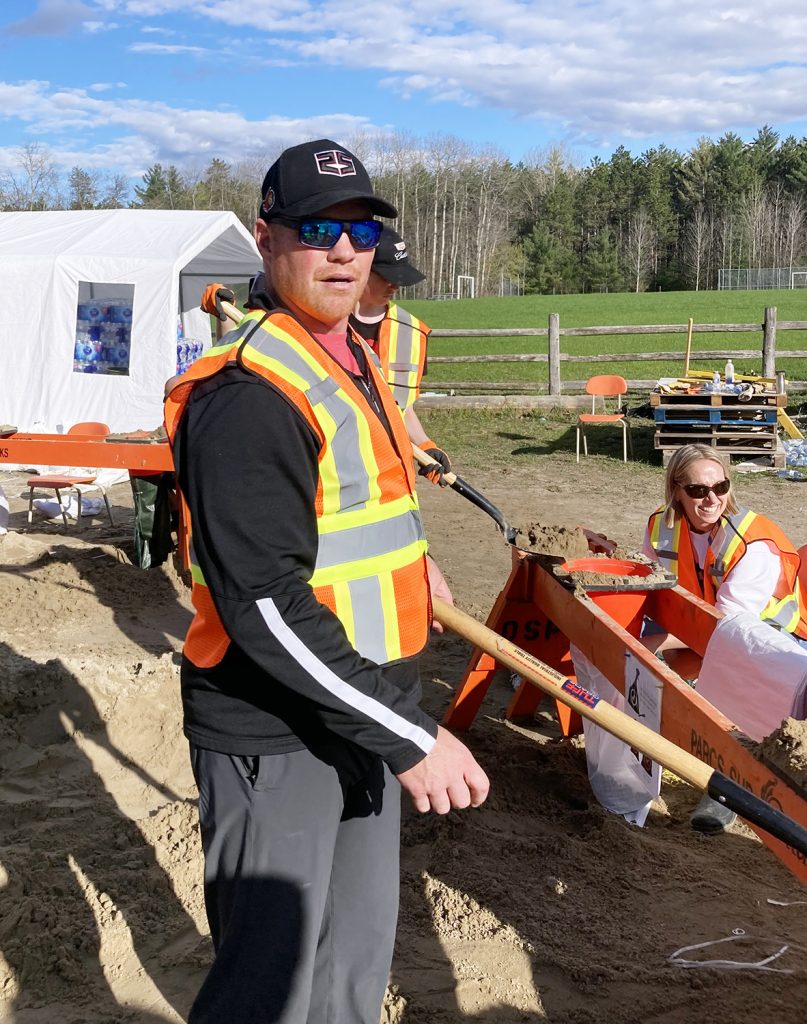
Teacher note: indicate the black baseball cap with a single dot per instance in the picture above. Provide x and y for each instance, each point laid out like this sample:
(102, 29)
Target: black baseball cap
(391, 260)
(306, 179)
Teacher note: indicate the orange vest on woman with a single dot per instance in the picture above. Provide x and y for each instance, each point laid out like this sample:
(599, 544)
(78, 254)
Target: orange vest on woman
(786, 609)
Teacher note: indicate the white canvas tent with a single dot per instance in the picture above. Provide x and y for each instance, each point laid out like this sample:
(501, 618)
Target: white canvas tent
(157, 262)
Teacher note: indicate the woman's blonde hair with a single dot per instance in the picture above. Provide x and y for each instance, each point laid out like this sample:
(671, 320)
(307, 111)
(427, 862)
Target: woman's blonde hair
(677, 471)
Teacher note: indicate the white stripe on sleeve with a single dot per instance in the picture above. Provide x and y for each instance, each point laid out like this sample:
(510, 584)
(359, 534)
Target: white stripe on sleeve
(338, 687)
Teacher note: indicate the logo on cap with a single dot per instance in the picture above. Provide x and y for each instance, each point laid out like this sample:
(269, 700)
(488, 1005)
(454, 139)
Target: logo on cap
(268, 200)
(334, 161)
(400, 251)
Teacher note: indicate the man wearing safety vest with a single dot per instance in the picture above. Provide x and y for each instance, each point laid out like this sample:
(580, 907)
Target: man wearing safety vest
(395, 336)
(311, 586)
(398, 338)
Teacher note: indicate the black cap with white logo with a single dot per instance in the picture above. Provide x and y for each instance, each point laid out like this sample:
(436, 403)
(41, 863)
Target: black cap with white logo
(308, 178)
(391, 260)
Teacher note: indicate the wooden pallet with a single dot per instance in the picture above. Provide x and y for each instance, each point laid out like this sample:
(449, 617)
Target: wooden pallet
(776, 456)
(719, 435)
(704, 415)
(707, 398)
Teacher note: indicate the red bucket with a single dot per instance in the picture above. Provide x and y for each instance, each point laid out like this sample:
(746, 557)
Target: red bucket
(624, 603)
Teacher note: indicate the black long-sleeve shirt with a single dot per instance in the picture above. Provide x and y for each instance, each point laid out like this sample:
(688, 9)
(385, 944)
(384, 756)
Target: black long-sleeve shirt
(247, 463)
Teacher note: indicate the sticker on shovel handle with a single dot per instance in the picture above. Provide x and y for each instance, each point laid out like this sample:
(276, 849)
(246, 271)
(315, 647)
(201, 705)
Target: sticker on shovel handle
(580, 693)
(539, 668)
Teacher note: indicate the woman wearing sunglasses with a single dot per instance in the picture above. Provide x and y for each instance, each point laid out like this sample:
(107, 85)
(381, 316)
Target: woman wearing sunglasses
(733, 558)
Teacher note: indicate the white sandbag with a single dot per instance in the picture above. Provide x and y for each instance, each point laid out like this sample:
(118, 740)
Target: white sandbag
(755, 674)
(51, 508)
(623, 780)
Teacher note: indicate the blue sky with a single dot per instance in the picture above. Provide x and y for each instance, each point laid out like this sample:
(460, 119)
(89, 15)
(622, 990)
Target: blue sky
(117, 85)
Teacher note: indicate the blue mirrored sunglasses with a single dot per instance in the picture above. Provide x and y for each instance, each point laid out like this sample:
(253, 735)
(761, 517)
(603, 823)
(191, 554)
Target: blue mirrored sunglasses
(324, 233)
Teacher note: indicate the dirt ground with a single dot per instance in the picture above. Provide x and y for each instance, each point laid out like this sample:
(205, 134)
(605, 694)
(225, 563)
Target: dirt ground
(538, 906)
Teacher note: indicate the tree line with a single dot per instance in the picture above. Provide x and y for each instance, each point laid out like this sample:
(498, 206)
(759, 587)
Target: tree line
(663, 220)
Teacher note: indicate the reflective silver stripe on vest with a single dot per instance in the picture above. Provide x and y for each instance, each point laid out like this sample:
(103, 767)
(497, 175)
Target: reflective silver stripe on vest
(665, 552)
(361, 542)
(719, 544)
(784, 616)
(322, 390)
(368, 619)
(409, 338)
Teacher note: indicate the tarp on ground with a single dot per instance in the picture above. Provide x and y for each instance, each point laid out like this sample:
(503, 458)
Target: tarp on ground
(111, 281)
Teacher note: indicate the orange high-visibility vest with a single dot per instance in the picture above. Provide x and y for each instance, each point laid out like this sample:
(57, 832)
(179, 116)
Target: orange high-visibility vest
(402, 352)
(787, 607)
(370, 568)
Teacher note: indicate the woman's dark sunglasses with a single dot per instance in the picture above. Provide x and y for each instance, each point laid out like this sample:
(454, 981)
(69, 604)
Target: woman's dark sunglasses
(324, 233)
(701, 490)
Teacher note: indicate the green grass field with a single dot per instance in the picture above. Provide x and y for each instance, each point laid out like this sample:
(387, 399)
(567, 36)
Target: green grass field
(601, 310)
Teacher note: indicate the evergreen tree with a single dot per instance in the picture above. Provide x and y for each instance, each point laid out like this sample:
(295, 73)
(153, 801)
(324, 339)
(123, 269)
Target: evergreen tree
(601, 264)
(162, 189)
(83, 188)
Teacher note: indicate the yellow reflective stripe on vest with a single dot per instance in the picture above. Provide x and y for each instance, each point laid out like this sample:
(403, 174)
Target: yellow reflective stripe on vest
(727, 540)
(350, 518)
(374, 565)
(346, 429)
(375, 635)
(369, 540)
(406, 336)
(665, 541)
(783, 613)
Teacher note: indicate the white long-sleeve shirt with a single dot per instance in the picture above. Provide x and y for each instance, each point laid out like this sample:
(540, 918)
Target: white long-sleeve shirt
(750, 584)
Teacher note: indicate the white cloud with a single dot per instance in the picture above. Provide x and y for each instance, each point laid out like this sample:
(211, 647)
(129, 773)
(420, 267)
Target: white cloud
(594, 71)
(52, 18)
(94, 27)
(593, 68)
(167, 49)
(144, 132)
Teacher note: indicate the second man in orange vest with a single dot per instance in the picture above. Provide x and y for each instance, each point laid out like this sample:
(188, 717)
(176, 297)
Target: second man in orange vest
(398, 338)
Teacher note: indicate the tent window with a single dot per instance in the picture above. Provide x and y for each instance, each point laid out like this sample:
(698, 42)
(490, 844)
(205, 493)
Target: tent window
(103, 328)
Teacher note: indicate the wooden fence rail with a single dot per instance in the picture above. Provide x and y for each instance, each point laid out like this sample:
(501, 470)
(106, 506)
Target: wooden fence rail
(554, 357)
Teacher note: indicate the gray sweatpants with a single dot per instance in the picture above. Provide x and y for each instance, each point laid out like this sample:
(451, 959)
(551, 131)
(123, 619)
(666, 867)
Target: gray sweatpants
(301, 885)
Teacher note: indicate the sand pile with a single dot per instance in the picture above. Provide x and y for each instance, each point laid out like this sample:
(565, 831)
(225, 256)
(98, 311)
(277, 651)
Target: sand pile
(786, 750)
(538, 906)
(548, 539)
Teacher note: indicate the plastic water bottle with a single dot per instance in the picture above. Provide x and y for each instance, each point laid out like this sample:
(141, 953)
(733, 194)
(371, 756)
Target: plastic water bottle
(729, 372)
(716, 380)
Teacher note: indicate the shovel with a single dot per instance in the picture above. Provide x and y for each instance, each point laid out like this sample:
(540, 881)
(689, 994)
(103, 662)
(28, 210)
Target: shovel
(596, 541)
(455, 482)
(679, 761)
(462, 487)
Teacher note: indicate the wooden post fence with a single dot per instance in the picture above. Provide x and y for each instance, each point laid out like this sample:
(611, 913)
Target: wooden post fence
(554, 354)
(769, 328)
(769, 342)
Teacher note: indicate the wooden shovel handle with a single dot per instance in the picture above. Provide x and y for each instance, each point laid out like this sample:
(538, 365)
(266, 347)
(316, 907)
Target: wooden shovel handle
(680, 761)
(625, 728)
(423, 459)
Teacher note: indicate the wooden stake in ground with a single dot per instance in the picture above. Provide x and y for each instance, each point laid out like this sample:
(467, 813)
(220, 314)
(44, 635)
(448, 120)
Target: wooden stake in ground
(689, 347)
(667, 754)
